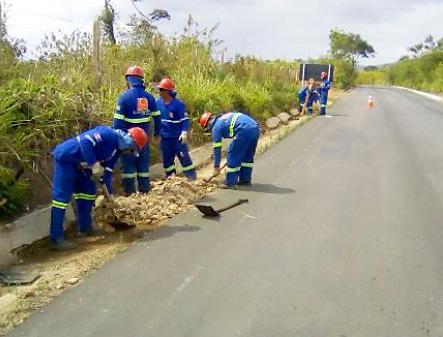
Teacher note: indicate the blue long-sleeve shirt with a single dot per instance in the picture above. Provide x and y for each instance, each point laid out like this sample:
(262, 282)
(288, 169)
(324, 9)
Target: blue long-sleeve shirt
(229, 125)
(136, 108)
(303, 94)
(324, 88)
(174, 118)
(96, 145)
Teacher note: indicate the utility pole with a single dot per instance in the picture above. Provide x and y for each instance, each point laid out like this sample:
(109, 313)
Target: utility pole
(1, 22)
(96, 53)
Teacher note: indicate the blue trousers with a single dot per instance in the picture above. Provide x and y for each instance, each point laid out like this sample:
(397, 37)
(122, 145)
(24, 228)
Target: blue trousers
(309, 108)
(240, 156)
(67, 180)
(323, 103)
(136, 168)
(172, 147)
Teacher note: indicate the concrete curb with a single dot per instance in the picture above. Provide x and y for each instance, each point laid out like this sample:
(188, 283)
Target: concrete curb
(421, 93)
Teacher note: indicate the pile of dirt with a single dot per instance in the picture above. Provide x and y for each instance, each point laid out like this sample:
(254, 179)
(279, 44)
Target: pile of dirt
(165, 199)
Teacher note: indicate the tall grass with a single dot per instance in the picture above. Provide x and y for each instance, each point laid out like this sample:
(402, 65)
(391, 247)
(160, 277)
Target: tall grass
(45, 101)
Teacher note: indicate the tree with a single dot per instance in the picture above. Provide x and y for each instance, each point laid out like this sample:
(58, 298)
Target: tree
(349, 46)
(370, 68)
(107, 19)
(429, 44)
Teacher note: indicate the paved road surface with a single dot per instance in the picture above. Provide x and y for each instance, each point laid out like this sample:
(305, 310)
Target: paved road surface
(343, 236)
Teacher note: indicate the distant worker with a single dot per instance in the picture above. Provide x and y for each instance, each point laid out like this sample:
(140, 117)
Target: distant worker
(309, 94)
(324, 90)
(76, 160)
(174, 130)
(135, 108)
(245, 132)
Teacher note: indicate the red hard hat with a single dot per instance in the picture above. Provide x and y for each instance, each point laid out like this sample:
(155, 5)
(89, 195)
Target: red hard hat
(204, 119)
(323, 74)
(140, 137)
(135, 71)
(166, 84)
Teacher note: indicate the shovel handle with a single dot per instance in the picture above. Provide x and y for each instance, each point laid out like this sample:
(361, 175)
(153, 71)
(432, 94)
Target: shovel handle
(213, 176)
(105, 189)
(238, 202)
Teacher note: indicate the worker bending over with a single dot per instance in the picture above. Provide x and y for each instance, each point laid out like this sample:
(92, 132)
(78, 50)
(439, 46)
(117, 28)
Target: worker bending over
(135, 108)
(309, 94)
(76, 160)
(245, 132)
(173, 129)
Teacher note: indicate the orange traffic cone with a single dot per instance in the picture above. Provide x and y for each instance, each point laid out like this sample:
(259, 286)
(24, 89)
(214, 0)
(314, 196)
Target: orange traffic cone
(370, 102)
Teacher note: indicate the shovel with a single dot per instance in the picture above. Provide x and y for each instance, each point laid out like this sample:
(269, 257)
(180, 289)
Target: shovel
(209, 211)
(118, 225)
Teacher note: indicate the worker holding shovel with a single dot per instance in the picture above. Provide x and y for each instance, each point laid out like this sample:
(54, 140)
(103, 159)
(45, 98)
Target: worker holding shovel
(76, 162)
(245, 132)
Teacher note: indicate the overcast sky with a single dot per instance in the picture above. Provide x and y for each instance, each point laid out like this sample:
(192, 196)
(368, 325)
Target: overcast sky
(268, 29)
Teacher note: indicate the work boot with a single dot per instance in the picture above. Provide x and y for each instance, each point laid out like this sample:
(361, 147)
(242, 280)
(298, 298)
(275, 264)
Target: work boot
(227, 187)
(62, 245)
(244, 183)
(92, 232)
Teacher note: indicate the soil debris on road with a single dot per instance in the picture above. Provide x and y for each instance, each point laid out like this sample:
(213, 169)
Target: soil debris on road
(166, 198)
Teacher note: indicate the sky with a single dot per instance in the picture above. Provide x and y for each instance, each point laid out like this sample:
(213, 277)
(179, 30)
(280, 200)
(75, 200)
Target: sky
(269, 29)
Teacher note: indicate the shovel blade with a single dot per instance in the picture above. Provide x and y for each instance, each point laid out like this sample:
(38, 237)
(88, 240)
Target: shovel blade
(208, 211)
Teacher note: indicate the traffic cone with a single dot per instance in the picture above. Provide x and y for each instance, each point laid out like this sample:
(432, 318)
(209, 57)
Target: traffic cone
(370, 102)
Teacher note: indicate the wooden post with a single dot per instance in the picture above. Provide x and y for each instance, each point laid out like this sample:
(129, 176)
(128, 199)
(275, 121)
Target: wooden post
(1, 22)
(96, 54)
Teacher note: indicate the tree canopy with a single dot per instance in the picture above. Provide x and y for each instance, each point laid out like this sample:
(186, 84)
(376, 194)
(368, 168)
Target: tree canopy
(349, 46)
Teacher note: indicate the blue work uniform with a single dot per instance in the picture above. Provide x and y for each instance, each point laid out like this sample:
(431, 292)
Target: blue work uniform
(96, 145)
(174, 120)
(136, 108)
(313, 97)
(324, 90)
(245, 132)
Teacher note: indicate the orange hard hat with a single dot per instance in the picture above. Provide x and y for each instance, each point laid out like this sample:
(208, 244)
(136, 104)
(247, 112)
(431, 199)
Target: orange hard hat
(204, 119)
(135, 71)
(139, 135)
(166, 84)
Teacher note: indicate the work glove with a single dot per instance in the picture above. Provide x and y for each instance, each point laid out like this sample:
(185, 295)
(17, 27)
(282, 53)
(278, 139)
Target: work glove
(183, 137)
(97, 170)
(83, 165)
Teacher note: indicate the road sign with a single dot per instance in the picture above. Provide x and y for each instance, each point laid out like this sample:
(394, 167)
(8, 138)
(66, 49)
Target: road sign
(311, 70)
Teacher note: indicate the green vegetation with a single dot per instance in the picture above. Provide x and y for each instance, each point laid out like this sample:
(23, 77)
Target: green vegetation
(57, 96)
(371, 77)
(349, 46)
(67, 89)
(422, 69)
(345, 51)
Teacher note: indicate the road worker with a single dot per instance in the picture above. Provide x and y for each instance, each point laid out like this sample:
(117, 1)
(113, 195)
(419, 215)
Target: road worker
(310, 94)
(135, 108)
(245, 132)
(324, 90)
(76, 161)
(174, 130)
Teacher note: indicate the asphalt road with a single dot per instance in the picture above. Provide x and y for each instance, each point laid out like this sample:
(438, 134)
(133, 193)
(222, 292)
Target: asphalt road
(343, 237)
